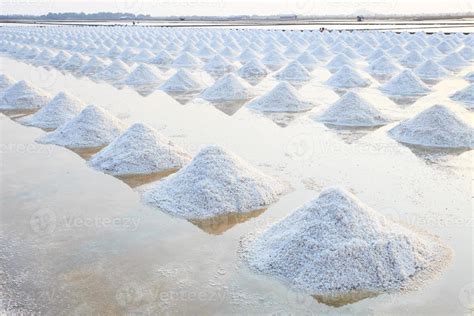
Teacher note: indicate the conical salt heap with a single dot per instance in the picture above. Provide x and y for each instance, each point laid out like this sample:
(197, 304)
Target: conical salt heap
(453, 62)
(347, 77)
(338, 62)
(93, 66)
(465, 96)
(430, 70)
(5, 82)
(216, 182)
(75, 62)
(274, 60)
(139, 150)
(218, 64)
(186, 60)
(382, 67)
(294, 72)
(307, 60)
(62, 108)
(412, 59)
(141, 76)
(335, 244)
(436, 126)
(467, 53)
(116, 71)
(93, 127)
(253, 69)
(405, 83)
(228, 88)
(351, 110)
(23, 96)
(182, 81)
(59, 59)
(282, 98)
(470, 76)
(162, 58)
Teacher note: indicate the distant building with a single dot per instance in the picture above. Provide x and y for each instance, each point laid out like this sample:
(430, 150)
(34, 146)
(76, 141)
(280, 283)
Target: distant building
(288, 17)
(360, 18)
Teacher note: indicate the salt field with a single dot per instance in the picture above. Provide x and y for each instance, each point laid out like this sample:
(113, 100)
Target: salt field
(215, 170)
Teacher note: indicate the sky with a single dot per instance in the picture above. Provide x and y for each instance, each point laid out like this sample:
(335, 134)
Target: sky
(236, 7)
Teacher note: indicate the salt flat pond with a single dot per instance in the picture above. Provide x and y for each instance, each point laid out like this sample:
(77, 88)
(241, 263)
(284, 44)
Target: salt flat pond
(77, 241)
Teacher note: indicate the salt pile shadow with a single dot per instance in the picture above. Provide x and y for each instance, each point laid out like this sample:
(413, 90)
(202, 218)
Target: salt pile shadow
(144, 90)
(351, 134)
(16, 114)
(137, 180)
(282, 119)
(403, 100)
(219, 224)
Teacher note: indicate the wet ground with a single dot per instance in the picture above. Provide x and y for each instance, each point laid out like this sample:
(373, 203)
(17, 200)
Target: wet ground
(77, 241)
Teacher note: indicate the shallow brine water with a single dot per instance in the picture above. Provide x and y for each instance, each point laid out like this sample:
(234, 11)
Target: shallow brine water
(77, 241)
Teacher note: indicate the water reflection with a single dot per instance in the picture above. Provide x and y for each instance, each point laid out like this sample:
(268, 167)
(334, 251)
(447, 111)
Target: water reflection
(229, 107)
(136, 180)
(86, 153)
(434, 155)
(351, 134)
(338, 300)
(16, 114)
(219, 224)
(254, 80)
(183, 97)
(282, 119)
(404, 100)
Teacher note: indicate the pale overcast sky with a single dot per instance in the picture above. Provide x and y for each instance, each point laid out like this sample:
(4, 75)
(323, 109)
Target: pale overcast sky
(235, 7)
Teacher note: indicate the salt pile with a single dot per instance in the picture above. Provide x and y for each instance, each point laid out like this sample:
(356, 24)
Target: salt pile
(186, 60)
(467, 53)
(436, 126)
(253, 69)
(338, 62)
(307, 60)
(5, 82)
(465, 96)
(405, 83)
(382, 67)
(93, 127)
(335, 244)
(62, 108)
(412, 59)
(228, 88)
(60, 59)
(274, 60)
(23, 96)
(294, 72)
(430, 70)
(143, 75)
(282, 98)
(162, 58)
(470, 76)
(94, 65)
(182, 81)
(216, 182)
(75, 62)
(453, 62)
(352, 110)
(116, 71)
(347, 77)
(218, 64)
(140, 150)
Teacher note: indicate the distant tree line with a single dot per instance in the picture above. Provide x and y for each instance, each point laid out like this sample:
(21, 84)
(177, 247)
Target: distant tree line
(80, 16)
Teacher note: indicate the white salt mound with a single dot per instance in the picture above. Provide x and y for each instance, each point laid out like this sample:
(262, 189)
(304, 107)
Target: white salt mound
(216, 182)
(347, 77)
(470, 76)
(465, 96)
(116, 71)
(141, 76)
(352, 110)
(335, 244)
(282, 98)
(93, 127)
(430, 70)
(23, 96)
(253, 69)
(182, 81)
(228, 88)
(382, 66)
(5, 82)
(436, 126)
(294, 72)
(62, 108)
(140, 150)
(405, 83)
